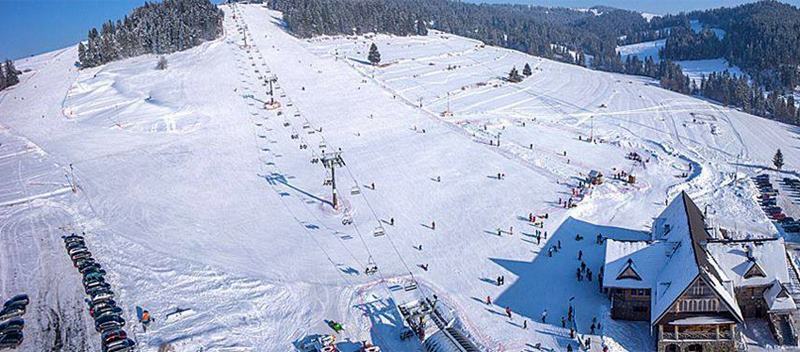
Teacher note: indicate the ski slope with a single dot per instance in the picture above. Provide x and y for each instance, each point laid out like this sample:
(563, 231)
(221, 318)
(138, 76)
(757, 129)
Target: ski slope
(197, 199)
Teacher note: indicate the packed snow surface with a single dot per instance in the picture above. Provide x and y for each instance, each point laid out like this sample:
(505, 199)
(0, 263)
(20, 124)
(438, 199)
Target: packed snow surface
(695, 69)
(207, 212)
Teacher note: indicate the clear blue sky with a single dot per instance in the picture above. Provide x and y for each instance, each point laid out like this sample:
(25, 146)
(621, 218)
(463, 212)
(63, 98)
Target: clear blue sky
(29, 27)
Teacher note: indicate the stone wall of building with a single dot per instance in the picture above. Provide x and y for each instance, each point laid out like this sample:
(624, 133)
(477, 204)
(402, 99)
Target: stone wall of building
(705, 345)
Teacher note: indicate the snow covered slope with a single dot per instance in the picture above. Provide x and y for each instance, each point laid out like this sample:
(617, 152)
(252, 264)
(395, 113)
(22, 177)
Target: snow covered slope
(196, 199)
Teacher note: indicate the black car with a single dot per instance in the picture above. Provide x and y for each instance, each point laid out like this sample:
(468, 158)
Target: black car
(107, 311)
(100, 287)
(73, 238)
(90, 266)
(11, 312)
(107, 321)
(119, 346)
(19, 298)
(12, 325)
(82, 263)
(75, 244)
(11, 340)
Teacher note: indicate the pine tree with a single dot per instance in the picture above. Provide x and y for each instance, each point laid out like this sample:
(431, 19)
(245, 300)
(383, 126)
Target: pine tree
(162, 63)
(2, 78)
(514, 76)
(527, 70)
(777, 160)
(11, 74)
(374, 56)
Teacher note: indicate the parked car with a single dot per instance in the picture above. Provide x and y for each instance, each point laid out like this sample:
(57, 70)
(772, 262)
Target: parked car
(84, 262)
(81, 255)
(18, 298)
(113, 335)
(11, 340)
(11, 312)
(120, 346)
(90, 266)
(99, 287)
(108, 320)
(73, 238)
(12, 325)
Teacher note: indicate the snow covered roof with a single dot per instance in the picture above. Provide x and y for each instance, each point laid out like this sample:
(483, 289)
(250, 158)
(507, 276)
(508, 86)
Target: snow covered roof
(752, 263)
(640, 257)
(778, 298)
(683, 224)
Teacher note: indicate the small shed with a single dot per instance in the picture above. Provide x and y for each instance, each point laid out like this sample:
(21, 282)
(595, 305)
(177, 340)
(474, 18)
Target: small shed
(595, 177)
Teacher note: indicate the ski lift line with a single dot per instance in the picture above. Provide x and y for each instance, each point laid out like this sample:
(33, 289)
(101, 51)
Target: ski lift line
(377, 219)
(316, 242)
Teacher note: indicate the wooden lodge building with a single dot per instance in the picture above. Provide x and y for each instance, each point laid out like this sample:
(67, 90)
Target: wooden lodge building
(697, 289)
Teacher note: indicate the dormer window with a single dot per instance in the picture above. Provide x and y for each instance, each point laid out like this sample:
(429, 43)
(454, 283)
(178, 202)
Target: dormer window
(628, 272)
(754, 270)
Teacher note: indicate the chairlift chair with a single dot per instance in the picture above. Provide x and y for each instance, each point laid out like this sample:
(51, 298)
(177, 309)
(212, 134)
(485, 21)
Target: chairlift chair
(355, 190)
(411, 286)
(379, 231)
(328, 181)
(322, 145)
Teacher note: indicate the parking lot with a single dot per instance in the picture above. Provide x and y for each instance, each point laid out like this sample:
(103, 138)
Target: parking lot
(780, 199)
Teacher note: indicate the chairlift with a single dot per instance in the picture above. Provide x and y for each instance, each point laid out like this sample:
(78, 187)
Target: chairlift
(411, 286)
(378, 231)
(355, 190)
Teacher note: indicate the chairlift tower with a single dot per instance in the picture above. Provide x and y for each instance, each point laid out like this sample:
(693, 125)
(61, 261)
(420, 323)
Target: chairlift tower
(330, 161)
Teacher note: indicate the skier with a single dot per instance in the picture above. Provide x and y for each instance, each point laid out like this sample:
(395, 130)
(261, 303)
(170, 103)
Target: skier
(580, 254)
(433, 225)
(488, 300)
(508, 312)
(525, 324)
(578, 274)
(583, 266)
(563, 322)
(569, 347)
(511, 230)
(438, 178)
(145, 320)
(530, 217)
(589, 274)
(591, 328)
(373, 186)
(544, 316)
(550, 252)
(538, 239)
(545, 235)
(559, 244)
(391, 221)
(498, 281)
